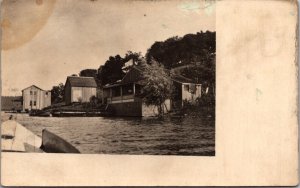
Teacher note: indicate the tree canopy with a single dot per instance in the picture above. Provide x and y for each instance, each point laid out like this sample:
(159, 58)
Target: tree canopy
(196, 51)
(88, 73)
(114, 68)
(57, 93)
(174, 51)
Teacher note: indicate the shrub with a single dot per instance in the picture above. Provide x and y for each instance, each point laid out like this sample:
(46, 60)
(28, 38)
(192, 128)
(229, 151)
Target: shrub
(94, 100)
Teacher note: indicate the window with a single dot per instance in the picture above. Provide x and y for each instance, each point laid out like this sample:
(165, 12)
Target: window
(186, 87)
(30, 92)
(30, 103)
(34, 103)
(46, 93)
(34, 92)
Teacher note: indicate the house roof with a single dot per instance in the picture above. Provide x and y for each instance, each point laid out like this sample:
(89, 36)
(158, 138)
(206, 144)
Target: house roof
(76, 81)
(180, 79)
(135, 75)
(33, 86)
(175, 77)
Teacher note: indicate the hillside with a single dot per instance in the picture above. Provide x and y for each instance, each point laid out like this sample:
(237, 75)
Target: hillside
(193, 56)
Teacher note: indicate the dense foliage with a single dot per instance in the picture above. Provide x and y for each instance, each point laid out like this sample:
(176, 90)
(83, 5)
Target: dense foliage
(199, 47)
(115, 67)
(57, 93)
(197, 51)
(88, 73)
(158, 85)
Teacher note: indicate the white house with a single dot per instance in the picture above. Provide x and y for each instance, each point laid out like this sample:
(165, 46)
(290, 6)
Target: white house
(35, 98)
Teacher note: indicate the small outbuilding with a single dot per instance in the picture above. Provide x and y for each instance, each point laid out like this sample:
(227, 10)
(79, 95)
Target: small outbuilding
(80, 89)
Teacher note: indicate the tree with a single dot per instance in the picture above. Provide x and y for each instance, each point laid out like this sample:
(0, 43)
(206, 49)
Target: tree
(88, 73)
(198, 51)
(94, 101)
(165, 52)
(113, 69)
(132, 57)
(199, 47)
(136, 57)
(158, 85)
(57, 93)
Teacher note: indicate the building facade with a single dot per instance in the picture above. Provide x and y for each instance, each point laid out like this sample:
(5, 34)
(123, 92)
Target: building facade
(186, 90)
(80, 89)
(35, 98)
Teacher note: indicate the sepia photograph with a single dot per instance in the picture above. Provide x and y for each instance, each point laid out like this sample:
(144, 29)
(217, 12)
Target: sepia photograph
(149, 93)
(98, 77)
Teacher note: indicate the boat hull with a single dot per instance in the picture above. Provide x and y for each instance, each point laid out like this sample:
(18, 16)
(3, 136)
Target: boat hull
(16, 138)
(51, 143)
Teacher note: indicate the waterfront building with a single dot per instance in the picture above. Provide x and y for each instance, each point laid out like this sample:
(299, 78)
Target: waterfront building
(35, 98)
(80, 89)
(186, 90)
(123, 96)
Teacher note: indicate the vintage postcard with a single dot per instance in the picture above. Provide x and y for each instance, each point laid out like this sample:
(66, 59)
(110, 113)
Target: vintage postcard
(184, 92)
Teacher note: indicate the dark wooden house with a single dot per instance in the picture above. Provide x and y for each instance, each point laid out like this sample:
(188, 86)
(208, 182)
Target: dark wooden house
(123, 96)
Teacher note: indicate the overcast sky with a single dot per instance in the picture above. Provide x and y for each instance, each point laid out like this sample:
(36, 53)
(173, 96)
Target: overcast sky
(46, 41)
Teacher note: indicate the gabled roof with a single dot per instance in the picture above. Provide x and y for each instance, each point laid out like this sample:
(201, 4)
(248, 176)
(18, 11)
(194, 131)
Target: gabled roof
(76, 81)
(133, 75)
(33, 86)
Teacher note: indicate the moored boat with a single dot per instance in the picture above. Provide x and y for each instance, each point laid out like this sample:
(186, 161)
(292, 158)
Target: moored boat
(39, 113)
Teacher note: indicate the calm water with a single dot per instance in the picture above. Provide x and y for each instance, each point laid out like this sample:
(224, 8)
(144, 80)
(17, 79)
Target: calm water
(178, 136)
